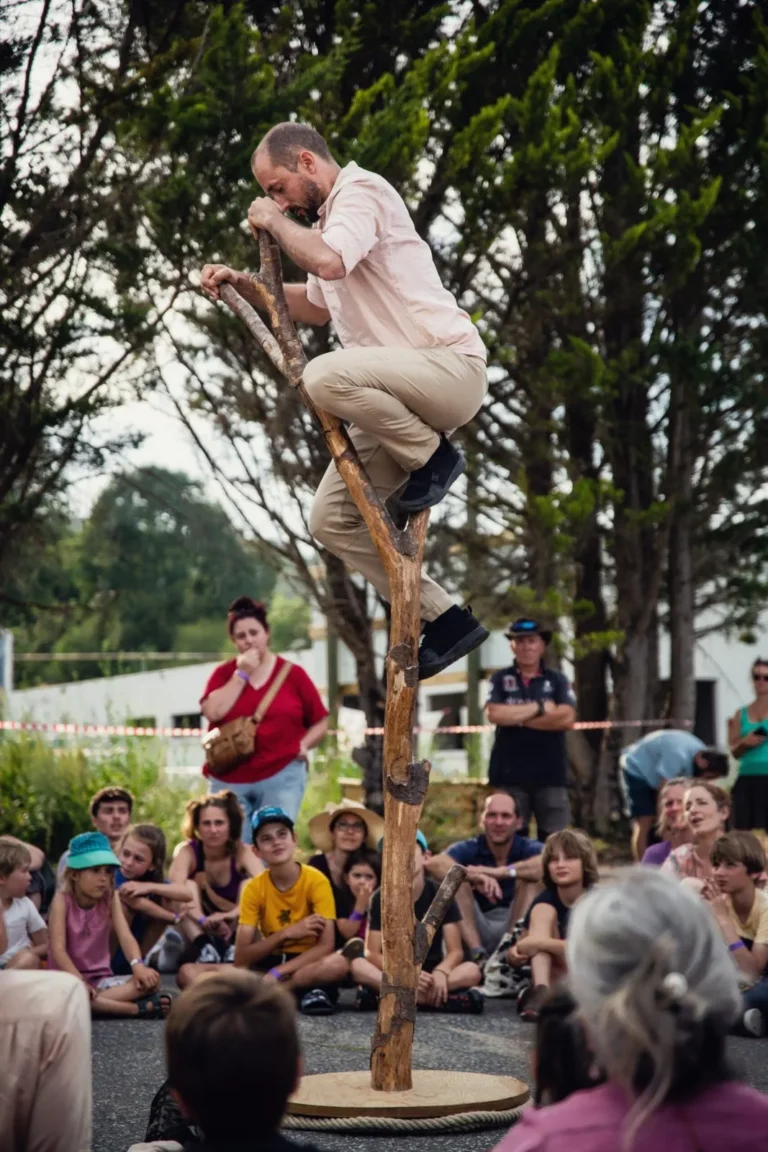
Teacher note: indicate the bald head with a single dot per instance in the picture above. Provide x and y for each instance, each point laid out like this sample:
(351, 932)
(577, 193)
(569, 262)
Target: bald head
(283, 143)
(499, 820)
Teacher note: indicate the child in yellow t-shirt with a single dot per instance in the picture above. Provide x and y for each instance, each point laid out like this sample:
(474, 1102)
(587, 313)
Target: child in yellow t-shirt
(287, 915)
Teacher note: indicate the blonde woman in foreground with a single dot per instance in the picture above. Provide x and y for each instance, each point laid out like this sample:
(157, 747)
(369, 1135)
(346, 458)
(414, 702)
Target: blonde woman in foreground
(657, 993)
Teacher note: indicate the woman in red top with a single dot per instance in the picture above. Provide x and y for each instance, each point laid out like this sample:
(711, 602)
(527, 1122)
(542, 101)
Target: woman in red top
(296, 720)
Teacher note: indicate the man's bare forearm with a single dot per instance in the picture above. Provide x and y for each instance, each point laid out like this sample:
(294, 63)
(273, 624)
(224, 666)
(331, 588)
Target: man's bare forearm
(299, 307)
(508, 715)
(560, 719)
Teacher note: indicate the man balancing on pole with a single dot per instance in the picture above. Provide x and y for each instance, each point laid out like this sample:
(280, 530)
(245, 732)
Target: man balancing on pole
(411, 368)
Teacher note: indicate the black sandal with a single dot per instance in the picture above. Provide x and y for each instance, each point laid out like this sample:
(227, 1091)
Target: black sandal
(154, 1007)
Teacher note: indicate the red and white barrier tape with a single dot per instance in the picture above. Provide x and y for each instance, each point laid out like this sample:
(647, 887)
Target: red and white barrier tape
(131, 730)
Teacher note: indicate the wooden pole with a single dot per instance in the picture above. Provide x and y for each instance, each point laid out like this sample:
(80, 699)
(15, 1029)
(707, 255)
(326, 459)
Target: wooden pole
(405, 780)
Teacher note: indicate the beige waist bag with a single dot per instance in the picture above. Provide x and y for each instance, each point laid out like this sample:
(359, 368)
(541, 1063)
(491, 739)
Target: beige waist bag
(229, 745)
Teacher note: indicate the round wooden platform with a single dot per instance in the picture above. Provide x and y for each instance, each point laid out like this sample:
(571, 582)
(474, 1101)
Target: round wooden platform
(434, 1093)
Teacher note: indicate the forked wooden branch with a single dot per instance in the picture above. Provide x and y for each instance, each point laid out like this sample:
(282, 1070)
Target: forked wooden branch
(435, 914)
(405, 783)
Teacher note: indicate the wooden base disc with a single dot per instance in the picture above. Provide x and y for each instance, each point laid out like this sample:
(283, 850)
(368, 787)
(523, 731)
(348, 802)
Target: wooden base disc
(434, 1093)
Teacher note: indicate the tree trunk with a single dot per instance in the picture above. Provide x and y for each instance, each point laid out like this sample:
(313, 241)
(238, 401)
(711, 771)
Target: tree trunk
(682, 696)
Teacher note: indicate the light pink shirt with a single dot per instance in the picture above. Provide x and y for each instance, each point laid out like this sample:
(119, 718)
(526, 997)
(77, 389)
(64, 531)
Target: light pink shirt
(722, 1118)
(391, 295)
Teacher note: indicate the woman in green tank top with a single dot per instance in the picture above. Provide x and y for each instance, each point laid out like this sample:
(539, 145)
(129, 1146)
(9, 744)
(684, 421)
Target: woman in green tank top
(748, 740)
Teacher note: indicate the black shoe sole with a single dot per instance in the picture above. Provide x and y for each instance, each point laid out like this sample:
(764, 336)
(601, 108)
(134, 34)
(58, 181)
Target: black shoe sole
(435, 494)
(461, 648)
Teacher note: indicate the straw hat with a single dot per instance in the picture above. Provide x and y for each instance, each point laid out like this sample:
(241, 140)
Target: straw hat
(320, 825)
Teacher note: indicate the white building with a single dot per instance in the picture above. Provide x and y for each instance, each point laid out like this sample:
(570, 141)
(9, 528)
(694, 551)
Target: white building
(170, 697)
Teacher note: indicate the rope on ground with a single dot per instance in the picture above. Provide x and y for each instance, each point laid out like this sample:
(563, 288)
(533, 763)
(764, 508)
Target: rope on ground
(458, 1122)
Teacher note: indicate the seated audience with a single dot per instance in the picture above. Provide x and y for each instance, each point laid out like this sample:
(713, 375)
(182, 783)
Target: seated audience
(671, 824)
(230, 1038)
(110, 810)
(654, 759)
(212, 864)
(146, 895)
(741, 914)
(85, 911)
(447, 982)
(362, 874)
(27, 936)
(286, 920)
(657, 994)
(338, 832)
(706, 814)
(45, 1057)
(562, 1061)
(42, 884)
(503, 876)
(570, 869)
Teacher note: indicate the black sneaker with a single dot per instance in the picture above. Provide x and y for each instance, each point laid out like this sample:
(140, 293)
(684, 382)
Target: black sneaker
(366, 999)
(353, 949)
(470, 1002)
(443, 641)
(429, 484)
(316, 1002)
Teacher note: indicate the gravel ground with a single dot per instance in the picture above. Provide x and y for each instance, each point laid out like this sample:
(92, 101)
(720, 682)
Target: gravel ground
(128, 1068)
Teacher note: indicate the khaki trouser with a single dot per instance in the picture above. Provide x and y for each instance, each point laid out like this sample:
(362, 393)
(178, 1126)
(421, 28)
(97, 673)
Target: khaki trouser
(396, 400)
(45, 1063)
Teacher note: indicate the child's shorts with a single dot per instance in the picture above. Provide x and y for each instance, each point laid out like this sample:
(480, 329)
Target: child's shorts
(111, 982)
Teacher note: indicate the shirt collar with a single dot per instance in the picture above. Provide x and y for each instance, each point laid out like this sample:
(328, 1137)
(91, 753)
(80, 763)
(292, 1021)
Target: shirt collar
(346, 175)
(542, 670)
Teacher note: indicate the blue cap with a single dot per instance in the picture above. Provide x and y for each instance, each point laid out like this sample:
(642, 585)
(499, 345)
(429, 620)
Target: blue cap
(421, 840)
(270, 815)
(89, 850)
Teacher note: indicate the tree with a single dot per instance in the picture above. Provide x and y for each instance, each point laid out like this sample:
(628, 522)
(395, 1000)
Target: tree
(153, 561)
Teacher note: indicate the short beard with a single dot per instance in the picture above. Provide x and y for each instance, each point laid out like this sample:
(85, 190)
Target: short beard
(310, 212)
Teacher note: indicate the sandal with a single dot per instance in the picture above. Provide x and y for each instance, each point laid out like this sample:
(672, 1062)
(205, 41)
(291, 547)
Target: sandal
(154, 1007)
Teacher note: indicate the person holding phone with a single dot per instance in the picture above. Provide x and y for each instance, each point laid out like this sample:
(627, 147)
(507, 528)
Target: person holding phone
(748, 740)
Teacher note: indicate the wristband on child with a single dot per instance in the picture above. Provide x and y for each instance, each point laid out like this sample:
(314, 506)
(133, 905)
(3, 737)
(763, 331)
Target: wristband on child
(134, 962)
(243, 675)
(736, 945)
(274, 973)
(357, 916)
(512, 871)
(201, 921)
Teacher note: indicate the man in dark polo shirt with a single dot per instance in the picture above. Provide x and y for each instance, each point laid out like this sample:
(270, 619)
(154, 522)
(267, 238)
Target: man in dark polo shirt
(532, 707)
(503, 876)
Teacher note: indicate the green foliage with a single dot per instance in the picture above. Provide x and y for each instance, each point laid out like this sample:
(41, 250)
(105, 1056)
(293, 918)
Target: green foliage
(153, 568)
(45, 788)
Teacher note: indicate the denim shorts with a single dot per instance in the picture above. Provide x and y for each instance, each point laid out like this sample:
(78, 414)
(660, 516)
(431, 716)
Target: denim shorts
(283, 790)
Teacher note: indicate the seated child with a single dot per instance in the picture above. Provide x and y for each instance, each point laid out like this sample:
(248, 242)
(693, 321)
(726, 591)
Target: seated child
(741, 913)
(110, 810)
(85, 910)
(446, 982)
(145, 894)
(286, 921)
(233, 1038)
(339, 832)
(362, 876)
(26, 944)
(570, 868)
(43, 878)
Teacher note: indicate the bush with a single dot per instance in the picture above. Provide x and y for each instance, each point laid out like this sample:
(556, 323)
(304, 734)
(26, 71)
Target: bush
(45, 789)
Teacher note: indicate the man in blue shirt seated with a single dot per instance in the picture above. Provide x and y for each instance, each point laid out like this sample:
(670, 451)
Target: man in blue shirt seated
(657, 757)
(503, 875)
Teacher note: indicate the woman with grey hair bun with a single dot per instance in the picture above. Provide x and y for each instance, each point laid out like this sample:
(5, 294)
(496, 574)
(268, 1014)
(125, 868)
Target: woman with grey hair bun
(657, 994)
